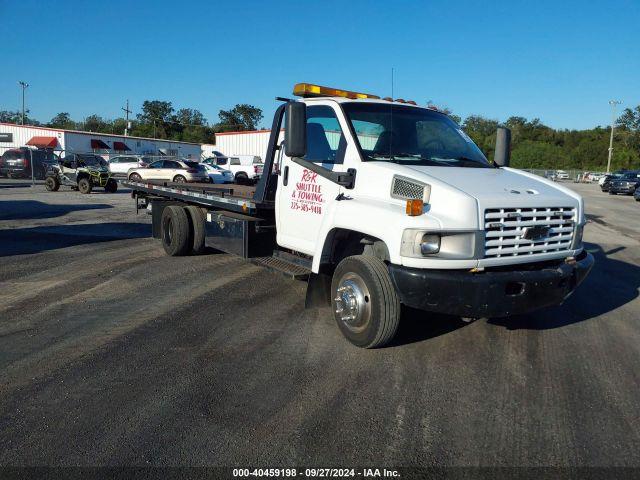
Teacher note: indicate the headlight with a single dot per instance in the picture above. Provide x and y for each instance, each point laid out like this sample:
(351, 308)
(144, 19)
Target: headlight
(430, 244)
(418, 243)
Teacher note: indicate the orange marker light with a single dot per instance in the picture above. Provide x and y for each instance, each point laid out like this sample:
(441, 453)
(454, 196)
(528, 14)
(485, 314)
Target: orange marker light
(414, 207)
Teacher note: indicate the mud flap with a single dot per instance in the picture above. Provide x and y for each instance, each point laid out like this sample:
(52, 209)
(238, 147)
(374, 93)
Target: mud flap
(318, 291)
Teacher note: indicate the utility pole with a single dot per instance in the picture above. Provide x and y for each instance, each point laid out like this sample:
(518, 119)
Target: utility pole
(24, 86)
(613, 104)
(127, 112)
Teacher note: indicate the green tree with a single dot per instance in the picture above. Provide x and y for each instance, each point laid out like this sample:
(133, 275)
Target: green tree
(242, 117)
(95, 123)
(9, 116)
(155, 120)
(62, 120)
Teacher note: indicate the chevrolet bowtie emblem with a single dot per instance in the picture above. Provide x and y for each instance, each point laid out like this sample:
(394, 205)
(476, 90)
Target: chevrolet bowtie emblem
(535, 233)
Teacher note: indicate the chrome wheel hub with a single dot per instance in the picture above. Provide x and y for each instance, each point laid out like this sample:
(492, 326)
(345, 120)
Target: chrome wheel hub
(353, 303)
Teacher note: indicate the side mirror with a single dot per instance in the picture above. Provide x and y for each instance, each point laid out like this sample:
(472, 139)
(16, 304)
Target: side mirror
(295, 132)
(502, 154)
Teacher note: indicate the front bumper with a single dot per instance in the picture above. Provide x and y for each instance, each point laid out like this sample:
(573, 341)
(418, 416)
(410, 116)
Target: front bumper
(489, 293)
(622, 189)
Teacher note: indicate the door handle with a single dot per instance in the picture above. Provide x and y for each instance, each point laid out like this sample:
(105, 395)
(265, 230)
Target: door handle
(285, 178)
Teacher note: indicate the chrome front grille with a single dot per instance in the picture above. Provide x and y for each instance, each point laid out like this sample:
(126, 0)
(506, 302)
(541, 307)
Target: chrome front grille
(505, 227)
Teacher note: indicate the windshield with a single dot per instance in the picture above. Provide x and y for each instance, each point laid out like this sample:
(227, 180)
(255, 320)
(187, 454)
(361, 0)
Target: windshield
(93, 161)
(412, 136)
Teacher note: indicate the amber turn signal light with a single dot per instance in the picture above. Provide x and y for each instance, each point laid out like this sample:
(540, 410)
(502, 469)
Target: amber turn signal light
(414, 207)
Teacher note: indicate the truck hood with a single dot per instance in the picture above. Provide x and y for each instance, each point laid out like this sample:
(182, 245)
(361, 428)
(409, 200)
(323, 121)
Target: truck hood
(498, 187)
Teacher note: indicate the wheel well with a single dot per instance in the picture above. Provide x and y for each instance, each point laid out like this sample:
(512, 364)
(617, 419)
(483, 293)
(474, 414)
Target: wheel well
(341, 243)
(82, 175)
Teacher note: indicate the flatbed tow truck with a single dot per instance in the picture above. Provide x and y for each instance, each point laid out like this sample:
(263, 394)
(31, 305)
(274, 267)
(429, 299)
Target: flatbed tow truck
(379, 203)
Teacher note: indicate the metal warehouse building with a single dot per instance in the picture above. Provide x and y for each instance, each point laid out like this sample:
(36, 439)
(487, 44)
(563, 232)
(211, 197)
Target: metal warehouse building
(239, 143)
(13, 136)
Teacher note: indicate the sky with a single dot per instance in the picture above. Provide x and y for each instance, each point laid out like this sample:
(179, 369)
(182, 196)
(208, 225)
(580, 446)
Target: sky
(560, 62)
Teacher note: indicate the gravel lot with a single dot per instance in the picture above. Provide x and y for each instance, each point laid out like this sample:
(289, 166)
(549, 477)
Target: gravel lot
(112, 353)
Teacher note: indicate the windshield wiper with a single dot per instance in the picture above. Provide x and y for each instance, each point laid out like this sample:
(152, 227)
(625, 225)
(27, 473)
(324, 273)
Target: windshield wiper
(394, 156)
(462, 159)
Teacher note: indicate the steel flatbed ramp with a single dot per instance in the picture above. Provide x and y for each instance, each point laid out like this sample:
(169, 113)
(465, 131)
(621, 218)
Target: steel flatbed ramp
(237, 198)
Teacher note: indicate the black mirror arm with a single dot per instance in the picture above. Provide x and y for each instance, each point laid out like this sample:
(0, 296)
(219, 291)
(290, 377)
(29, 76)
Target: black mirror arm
(346, 179)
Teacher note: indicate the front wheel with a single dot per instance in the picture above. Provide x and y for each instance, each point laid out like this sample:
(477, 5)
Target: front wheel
(84, 185)
(135, 177)
(51, 184)
(365, 303)
(179, 179)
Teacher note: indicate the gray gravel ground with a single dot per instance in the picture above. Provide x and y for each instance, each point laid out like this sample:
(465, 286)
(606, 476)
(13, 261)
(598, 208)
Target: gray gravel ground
(112, 353)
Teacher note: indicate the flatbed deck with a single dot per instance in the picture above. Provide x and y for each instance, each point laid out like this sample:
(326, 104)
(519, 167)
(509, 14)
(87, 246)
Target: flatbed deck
(232, 197)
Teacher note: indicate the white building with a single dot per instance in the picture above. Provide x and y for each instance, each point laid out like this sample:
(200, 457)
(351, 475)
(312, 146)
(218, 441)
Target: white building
(239, 143)
(106, 145)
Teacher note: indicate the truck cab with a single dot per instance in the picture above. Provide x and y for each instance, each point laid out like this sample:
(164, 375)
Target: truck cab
(388, 204)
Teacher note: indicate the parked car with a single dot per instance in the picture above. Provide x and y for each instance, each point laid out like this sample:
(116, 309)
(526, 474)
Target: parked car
(245, 168)
(636, 195)
(218, 174)
(178, 171)
(561, 175)
(17, 162)
(604, 186)
(81, 172)
(626, 184)
(121, 164)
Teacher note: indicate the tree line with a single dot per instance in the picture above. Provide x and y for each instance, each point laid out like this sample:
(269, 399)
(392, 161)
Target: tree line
(158, 119)
(534, 145)
(537, 146)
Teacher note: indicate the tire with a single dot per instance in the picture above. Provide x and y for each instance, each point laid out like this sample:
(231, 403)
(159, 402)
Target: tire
(197, 218)
(111, 186)
(365, 279)
(52, 184)
(85, 186)
(242, 178)
(176, 234)
(179, 179)
(135, 177)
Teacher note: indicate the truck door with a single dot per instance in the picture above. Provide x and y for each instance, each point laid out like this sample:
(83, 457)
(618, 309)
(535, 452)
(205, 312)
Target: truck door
(303, 197)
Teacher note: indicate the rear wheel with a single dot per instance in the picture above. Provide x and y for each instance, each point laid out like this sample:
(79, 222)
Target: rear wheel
(51, 184)
(134, 177)
(365, 303)
(196, 215)
(84, 185)
(111, 186)
(177, 237)
(179, 179)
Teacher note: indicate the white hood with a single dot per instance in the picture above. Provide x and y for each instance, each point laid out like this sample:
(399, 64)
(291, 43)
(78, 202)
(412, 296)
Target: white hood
(500, 187)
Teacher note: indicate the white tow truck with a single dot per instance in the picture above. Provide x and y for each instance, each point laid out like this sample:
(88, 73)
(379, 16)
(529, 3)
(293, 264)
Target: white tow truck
(380, 203)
